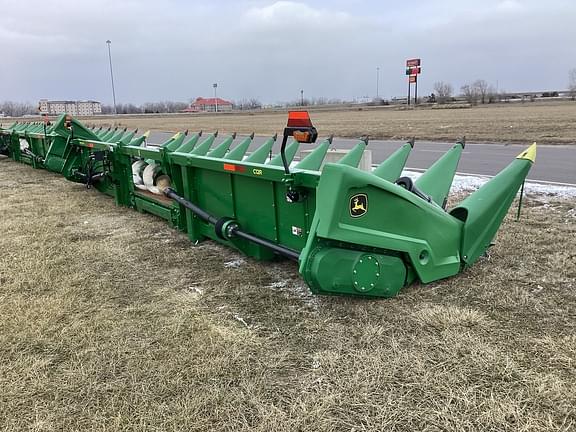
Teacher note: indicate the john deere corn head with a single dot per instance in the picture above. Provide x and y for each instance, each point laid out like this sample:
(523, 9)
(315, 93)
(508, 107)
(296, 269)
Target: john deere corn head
(352, 232)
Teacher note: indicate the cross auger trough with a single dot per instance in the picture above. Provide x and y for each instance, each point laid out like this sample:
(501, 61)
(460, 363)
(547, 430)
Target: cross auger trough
(352, 232)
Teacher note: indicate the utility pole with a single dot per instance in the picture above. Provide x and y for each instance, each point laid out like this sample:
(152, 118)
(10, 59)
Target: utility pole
(215, 85)
(108, 42)
(377, 82)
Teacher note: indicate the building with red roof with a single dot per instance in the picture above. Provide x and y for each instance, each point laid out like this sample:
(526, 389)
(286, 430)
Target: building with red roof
(209, 105)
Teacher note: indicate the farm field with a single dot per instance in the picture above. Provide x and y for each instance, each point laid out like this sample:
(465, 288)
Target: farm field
(113, 321)
(545, 123)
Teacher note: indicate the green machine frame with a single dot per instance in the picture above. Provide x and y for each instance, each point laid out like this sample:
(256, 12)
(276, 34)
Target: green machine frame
(352, 232)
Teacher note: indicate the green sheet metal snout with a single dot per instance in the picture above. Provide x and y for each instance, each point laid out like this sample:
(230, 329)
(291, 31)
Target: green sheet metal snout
(372, 237)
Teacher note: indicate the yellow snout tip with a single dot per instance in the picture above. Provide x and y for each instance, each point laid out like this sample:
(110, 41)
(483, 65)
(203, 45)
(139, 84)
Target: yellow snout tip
(529, 154)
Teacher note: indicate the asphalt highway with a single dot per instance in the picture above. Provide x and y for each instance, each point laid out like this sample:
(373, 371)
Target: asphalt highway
(554, 163)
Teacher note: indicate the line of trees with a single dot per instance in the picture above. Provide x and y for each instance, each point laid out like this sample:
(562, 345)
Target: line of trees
(17, 109)
(247, 104)
(171, 107)
(314, 101)
(480, 91)
(476, 92)
(147, 108)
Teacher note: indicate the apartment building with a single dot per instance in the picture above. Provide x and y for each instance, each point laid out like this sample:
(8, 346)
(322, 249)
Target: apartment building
(75, 108)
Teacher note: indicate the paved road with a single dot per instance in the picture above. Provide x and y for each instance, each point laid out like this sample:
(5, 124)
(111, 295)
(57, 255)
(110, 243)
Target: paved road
(553, 163)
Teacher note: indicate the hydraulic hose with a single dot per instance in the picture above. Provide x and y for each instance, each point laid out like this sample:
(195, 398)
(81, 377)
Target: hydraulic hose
(204, 215)
(233, 229)
(288, 253)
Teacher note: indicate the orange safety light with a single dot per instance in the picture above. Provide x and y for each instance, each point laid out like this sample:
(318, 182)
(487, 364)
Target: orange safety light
(301, 136)
(300, 127)
(299, 119)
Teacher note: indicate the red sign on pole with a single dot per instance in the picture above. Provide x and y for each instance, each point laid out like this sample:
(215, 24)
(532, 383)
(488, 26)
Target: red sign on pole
(413, 70)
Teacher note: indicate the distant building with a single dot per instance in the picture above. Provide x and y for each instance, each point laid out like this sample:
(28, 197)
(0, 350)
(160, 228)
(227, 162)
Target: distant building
(209, 105)
(75, 108)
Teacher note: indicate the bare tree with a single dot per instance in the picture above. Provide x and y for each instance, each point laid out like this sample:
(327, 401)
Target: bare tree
(572, 83)
(248, 104)
(162, 107)
(470, 93)
(443, 91)
(481, 88)
(17, 109)
(478, 91)
(107, 109)
(254, 103)
(492, 95)
(172, 106)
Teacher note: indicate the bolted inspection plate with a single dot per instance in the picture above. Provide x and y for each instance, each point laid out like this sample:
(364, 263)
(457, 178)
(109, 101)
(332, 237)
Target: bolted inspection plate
(365, 273)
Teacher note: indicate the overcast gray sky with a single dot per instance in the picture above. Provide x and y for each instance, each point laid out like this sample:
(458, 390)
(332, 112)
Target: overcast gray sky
(176, 49)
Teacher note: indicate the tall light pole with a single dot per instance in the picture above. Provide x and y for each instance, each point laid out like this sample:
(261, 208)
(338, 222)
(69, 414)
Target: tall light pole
(215, 85)
(377, 82)
(302, 97)
(108, 42)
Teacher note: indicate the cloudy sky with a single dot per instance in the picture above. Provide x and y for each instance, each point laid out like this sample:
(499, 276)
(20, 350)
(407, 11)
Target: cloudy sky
(176, 49)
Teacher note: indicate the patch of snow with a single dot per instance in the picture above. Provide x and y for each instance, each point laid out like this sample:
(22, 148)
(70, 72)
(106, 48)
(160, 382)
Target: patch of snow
(291, 286)
(195, 289)
(234, 263)
(471, 183)
(556, 191)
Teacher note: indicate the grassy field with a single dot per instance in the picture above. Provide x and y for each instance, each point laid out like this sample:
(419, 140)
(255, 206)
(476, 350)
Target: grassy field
(551, 123)
(110, 320)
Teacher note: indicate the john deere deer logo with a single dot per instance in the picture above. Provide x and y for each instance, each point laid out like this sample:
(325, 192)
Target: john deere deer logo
(358, 205)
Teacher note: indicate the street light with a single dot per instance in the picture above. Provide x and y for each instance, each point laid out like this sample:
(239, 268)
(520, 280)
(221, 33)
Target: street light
(302, 97)
(377, 82)
(108, 42)
(215, 85)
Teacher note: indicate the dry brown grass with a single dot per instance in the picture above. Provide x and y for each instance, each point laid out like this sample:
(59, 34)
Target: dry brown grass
(542, 122)
(110, 320)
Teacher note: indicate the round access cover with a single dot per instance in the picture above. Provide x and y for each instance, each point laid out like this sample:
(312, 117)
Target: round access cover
(366, 273)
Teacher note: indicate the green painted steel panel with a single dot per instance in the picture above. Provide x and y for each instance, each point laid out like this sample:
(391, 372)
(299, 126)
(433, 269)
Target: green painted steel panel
(255, 206)
(143, 204)
(214, 192)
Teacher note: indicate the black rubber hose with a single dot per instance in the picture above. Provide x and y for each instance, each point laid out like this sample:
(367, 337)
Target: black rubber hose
(283, 154)
(235, 230)
(280, 250)
(408, 184)
(204, 215)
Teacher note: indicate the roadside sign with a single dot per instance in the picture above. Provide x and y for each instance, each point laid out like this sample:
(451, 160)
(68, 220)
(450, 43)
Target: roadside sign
(413, 69)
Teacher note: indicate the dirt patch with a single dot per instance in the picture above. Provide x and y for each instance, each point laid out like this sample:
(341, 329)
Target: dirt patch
(110, 320)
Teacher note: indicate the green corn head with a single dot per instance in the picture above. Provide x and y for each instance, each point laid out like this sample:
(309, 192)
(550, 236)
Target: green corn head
(352, 232)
